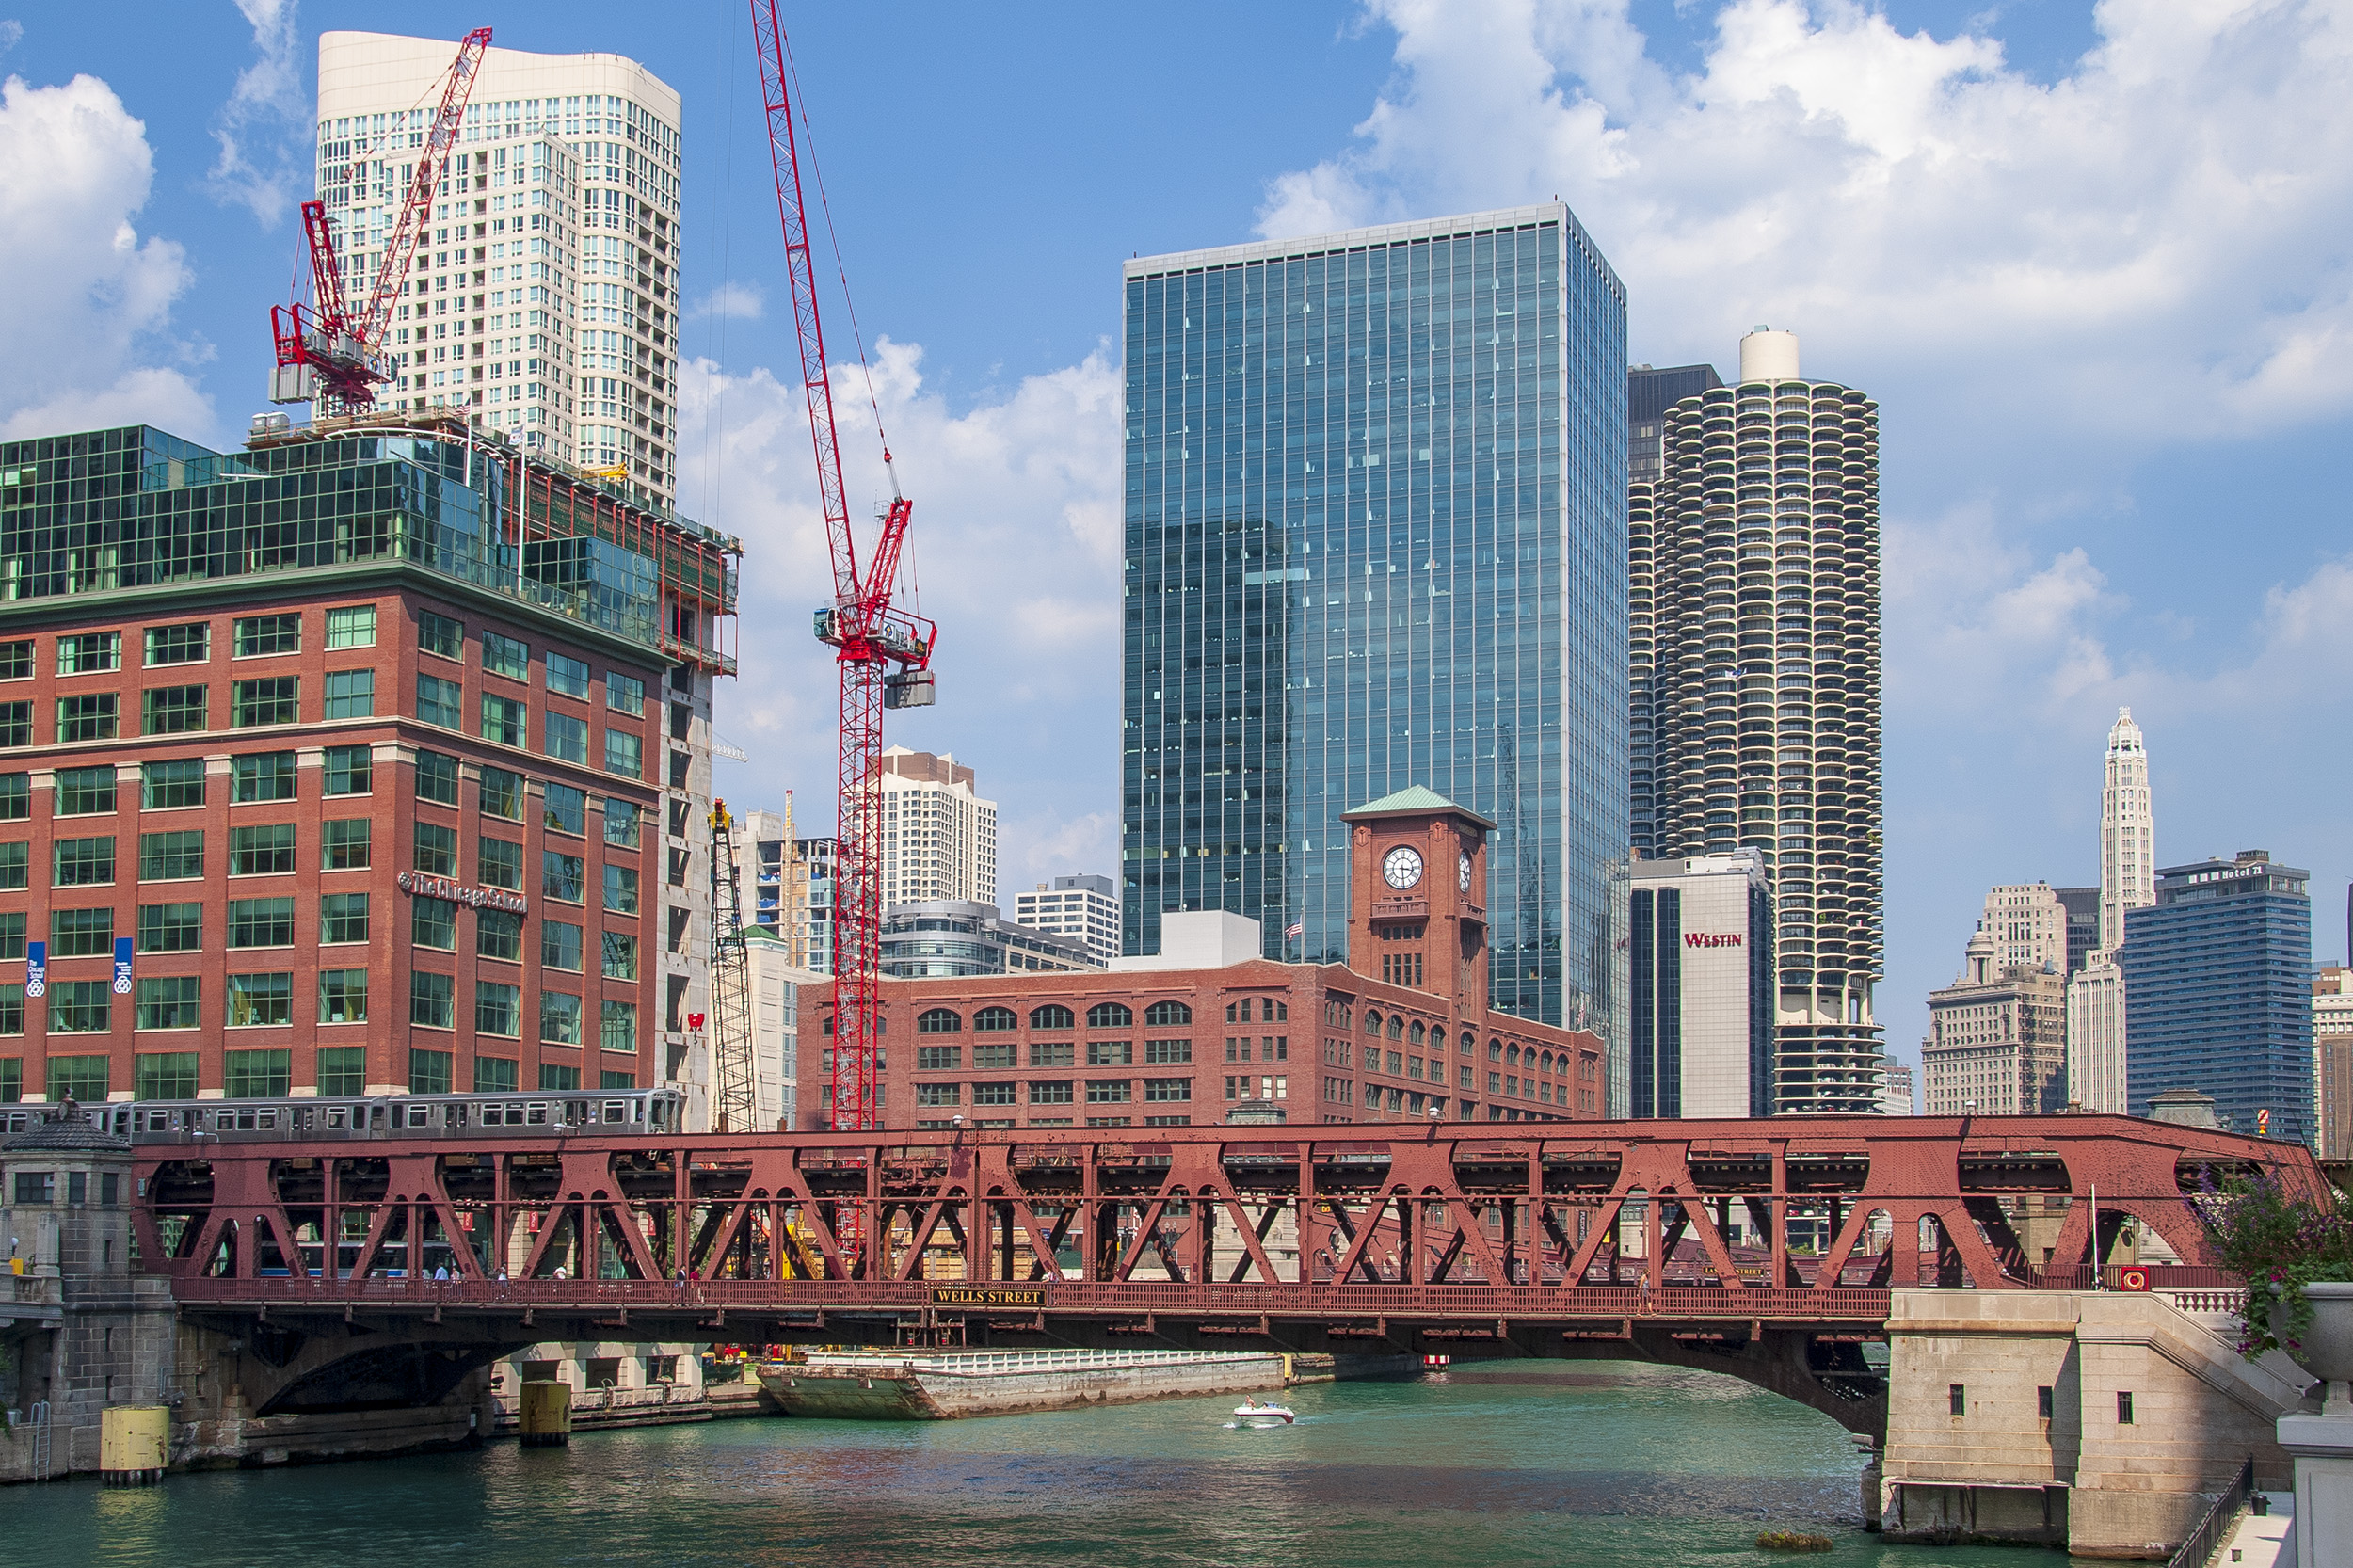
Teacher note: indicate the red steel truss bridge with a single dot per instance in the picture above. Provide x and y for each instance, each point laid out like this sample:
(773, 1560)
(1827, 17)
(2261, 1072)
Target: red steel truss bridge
(1761, 1248)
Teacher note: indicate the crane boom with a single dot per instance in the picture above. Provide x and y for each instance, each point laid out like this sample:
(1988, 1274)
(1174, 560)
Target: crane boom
(884, 653)
(331, 351)
(734, 1071)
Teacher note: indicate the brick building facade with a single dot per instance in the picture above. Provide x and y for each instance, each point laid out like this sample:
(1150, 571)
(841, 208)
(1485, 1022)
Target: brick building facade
(1404, 1030)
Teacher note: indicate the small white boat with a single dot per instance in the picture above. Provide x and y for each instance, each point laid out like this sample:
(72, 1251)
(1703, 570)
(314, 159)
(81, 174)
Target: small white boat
(1251, 1413)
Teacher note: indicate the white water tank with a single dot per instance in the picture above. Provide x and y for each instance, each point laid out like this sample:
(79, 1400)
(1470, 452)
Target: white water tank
(1768, 356)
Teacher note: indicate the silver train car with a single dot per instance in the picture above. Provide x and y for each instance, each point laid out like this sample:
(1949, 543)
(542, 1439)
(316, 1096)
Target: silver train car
(331, 1118)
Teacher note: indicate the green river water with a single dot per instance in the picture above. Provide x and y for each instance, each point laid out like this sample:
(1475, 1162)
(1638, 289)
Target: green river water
(1553, 1463)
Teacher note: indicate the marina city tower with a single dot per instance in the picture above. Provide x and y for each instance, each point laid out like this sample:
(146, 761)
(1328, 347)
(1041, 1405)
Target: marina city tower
(1375, 537)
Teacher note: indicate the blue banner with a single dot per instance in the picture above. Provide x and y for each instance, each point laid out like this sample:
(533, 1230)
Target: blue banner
(35, 968)
(122, 965)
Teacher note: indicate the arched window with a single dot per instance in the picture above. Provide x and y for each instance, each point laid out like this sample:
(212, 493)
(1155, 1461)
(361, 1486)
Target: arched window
(939, 1020)
(1512, 1056)
(1547, 1067)
(1055, 1017)
(1109, 1015)
(1372, 1021)
(1416, 1035)
(1494, 1051)
(829, 1023)
(995, 1021)
(1396, 1027)
(1466, 1043)
(1162, 1014)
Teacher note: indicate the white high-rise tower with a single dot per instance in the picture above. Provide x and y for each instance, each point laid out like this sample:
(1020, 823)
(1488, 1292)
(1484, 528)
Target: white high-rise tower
(2128, 862)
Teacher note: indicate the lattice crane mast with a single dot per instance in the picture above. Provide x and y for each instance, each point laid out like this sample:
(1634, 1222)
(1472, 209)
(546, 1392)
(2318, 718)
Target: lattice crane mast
(735, 1084)
(884, 653)
(333, 352)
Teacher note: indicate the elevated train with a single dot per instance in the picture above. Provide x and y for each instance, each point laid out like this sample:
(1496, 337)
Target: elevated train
(368, 1117)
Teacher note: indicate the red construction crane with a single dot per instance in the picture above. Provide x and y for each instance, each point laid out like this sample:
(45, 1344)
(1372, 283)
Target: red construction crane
(884, 653)
(332, 353)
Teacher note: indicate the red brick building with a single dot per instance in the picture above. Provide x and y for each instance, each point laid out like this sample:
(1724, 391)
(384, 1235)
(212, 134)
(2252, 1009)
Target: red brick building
(383, 823)
(1404, 1030)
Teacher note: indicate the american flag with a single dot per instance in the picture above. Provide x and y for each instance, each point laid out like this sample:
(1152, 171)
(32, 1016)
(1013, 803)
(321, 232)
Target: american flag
(1297, 928)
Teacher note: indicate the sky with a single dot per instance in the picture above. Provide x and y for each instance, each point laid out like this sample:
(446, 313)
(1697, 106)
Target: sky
(2093, 262)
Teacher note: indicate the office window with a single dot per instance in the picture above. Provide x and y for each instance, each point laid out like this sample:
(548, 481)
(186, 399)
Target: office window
(15, 867)
(621, 890)
(84, 791)
(554, 1076)
(89, 717)
(260, 1000)
(624, 693)
(164, 1075)
(81, 932)
(1167, 1089)
(563, 877)
(438, 634)
(188, 644)
(441, 702)
(939, 1059)
(342, 918)
(1111, 1053)
(343, 1069)
(566, 739)
(12, 924)
(171, 928)
(268, 850)
(504, 720)
(16, 796)
(343, 844)
(561, 945)
(351, 626)
(498, 1009)
(1107, 1091)
(502, 794)
(433, 923)
(350, 693)
(939, 1093)
(568, 676)
(171, 785)
(494, 1075)
(345, 771)
(257, 1074)
(1052, 1094)
(1167, 1052)
(501, 864)
(16, 724)
(261, 922)
(11, 1022)
(89, 653)
(559, 1019)
(342, 996)
(1053, 1053)
(620, 955)
(430, 999)
(498, 934)
(274, 700)
(437, 850)
(618, 1029)
(263, 776)
(624, 754)
(505, 656)
(16, 661)
(171, 709)
(429, 1071)
(436, 777)
(79, 1077)
(259, 636)
(79, 1006)
(85, 862)
(621, 823)
(565, 810)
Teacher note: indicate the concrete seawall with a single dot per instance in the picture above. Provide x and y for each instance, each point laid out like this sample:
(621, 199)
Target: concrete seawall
(889, 1387)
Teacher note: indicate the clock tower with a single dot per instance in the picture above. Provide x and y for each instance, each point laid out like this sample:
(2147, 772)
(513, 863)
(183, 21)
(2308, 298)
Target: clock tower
(1417, 896)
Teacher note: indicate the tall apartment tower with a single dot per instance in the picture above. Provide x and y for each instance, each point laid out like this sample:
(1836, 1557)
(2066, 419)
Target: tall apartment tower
(2098, 1012)
(1650, 394)
(940, 837)
(1765, 542)
(1375, 524)
(544, 297)
(1083, 907)
(544, 302)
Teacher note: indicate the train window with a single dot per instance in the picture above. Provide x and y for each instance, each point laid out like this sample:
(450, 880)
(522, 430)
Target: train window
(453, 1115)
(419, 1115)
(267, 1120)
(617, 1111)
(375, 1115)
(338, 1116)
(538, 1114)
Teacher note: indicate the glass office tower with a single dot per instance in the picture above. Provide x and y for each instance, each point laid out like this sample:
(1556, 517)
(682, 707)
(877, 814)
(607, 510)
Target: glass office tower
(1375, 508)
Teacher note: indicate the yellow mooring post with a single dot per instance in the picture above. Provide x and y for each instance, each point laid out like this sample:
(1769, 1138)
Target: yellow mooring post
(134, 1443)
(547, 1415)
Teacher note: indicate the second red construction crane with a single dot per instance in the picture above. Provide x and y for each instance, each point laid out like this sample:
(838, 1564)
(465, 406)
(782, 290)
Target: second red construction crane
(333, 353)
(884, 653)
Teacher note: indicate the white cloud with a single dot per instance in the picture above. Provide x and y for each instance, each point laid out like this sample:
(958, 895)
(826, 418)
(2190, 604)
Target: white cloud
(11, 34)
(82, 295)
(1013, 548)
(260, 128)
(735, 301)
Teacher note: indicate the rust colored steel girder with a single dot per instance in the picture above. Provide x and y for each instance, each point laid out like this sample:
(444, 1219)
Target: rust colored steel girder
(1469, 1222)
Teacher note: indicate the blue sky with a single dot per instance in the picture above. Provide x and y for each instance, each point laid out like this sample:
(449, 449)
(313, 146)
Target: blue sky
(2093, 262)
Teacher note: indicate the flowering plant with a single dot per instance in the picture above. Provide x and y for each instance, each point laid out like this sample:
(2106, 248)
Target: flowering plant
(2279, 1244)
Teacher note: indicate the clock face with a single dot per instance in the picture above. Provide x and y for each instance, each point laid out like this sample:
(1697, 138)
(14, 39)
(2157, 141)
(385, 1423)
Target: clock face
(1462, 872)
(1402, 867)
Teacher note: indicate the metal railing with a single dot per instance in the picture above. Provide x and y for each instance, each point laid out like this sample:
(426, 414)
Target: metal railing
(2215, 1527)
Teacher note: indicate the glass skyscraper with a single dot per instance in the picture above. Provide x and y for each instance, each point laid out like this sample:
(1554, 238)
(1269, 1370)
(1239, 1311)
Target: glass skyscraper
(1375, 527)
